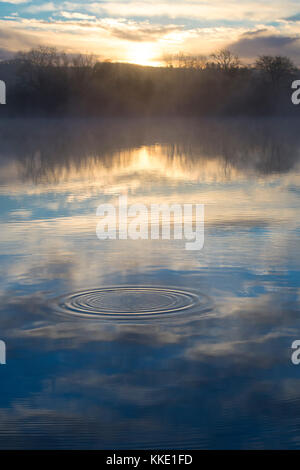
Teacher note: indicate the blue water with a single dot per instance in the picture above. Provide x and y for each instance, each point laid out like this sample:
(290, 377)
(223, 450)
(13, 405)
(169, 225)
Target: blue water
(209, 364)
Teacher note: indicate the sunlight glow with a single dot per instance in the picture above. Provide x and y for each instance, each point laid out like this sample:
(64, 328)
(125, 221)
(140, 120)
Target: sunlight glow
(143, 54)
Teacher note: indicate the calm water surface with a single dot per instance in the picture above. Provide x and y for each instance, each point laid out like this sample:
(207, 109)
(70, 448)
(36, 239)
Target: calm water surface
(211, 368)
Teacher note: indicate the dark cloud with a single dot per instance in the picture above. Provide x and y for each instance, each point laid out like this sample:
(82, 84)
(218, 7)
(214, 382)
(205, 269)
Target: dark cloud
(256, 43)
(5, 54)
(142, 34)
(12, 41)
(133, 32)
(295, 17)
(255, 33)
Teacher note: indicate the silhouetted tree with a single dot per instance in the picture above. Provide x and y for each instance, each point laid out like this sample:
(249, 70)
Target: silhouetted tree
(276, 68)
(43, 56)
(225, 60)
(47, 81)
(185, 61)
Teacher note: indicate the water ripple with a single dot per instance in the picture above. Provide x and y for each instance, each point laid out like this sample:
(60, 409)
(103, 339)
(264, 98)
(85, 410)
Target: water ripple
(131, 301)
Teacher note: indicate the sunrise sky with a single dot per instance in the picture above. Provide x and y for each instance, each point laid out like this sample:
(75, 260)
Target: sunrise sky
(144, 31)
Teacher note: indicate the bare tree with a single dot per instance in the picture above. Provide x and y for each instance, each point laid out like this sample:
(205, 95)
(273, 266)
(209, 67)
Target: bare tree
(275, 68)
(43, 56)
(83, 60)
(185, 61)
(168, 59)
(226, 60)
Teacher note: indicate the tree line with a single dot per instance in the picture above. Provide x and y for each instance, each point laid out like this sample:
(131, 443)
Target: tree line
(49, 82)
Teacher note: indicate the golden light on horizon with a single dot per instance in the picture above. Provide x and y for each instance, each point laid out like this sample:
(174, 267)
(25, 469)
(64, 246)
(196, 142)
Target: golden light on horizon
(144, 54)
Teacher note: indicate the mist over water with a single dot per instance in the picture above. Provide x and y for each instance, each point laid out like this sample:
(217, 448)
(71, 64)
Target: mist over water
(143, 344)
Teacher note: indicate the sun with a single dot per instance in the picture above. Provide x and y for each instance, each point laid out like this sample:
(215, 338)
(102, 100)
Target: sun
(143, 54)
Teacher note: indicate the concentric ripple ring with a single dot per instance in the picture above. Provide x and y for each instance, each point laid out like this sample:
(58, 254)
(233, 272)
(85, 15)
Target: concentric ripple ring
(128, 301)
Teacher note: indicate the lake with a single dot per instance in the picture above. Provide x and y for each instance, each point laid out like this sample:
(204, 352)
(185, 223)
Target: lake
(140, 344)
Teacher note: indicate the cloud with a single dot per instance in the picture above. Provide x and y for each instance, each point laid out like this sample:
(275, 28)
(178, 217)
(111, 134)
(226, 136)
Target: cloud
(295, 17)
(214, 10)
(15, 2)
(108, 36)
(112, 30)
(133, 31)
(76, 15)
(12, 41)
(261, 42)
(43, 7)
